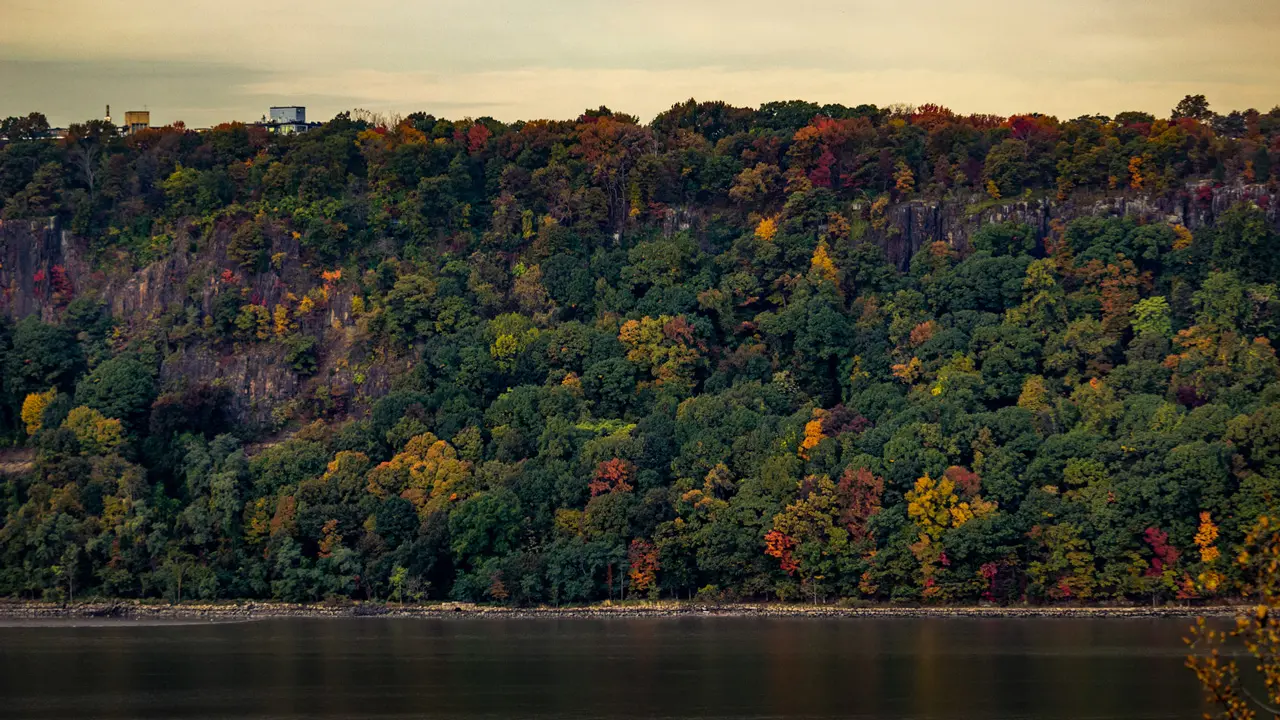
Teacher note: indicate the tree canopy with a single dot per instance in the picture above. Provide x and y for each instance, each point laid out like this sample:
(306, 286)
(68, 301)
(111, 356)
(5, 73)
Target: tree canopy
(568, 361)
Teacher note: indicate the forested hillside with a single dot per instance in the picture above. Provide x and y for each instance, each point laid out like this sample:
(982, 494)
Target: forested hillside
(796, 352)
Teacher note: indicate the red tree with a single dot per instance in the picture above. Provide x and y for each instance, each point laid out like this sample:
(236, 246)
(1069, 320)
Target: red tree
(965, 480)
(643, 556)
(612, 476)
(1163, 554)
(858, 494)
(780, 545)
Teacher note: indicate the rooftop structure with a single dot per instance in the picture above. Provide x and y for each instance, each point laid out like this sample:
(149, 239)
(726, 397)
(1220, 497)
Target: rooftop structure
(136, 120)
(288, 119)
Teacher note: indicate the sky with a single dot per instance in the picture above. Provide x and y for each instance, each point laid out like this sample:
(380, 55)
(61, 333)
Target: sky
(209, 61)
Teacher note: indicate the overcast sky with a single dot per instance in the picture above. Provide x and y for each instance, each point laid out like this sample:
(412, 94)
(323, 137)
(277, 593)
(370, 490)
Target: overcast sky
(206, 61)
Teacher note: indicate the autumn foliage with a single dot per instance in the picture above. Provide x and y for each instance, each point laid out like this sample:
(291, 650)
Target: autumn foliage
(612, 476)
(794, 351)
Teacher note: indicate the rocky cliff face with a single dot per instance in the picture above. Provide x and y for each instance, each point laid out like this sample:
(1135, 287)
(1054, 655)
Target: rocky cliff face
(34, 260)
(912, 225)
(42, 267)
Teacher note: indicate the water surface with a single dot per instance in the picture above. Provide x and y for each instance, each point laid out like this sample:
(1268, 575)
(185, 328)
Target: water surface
(941, 669)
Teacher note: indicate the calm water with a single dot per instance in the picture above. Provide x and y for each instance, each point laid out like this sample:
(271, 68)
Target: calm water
(623, 668)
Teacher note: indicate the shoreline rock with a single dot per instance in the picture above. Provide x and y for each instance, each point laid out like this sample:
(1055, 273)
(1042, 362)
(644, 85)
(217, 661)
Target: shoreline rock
(247, 610)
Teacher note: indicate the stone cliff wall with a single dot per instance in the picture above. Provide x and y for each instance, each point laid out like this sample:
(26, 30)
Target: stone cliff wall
(911, 225)
(31, 255)
(256, 376)
(43, 266)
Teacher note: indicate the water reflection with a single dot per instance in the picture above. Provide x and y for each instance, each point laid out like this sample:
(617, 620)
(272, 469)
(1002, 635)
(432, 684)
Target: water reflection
(676, 668)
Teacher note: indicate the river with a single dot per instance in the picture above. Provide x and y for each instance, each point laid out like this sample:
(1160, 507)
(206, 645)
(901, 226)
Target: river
(944, 669)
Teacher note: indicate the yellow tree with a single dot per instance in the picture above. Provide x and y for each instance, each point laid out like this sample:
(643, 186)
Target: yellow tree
(909, 371)
(812, 433)
(935, 508)
(1206, 537)
(767, 229)
(1257, 630)
(427, 473)
(33, 407)
(665, 346)
(281, 318)
(822, 265)
(1182, 238)
(904, 179)
(1136, 179)
(96, 433)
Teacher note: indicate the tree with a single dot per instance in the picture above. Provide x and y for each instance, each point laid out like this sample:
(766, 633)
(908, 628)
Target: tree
(807, 536)
(248, 245)
(813, 433)
(935, 507)
(822, 266)
(1065, 567)
(41, 356)
(1258, 631)
(612, 476)
(300, 353)
(1151, 316)
(410, 308)
(33, 407)
(643, 558)
(1008, 169)
(860, 495)
(120, 388)
(33, 126)
(780, 545)
(665, 346)
(756, 185)
(87, 155)
(177, 567)
(399, 574)
(1245, 243)
(1209, 581)
(427, 473)
(96, 433)
(1195, 107)
(767, 229)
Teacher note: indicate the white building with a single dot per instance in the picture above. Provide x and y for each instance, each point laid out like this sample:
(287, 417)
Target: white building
(288, 119)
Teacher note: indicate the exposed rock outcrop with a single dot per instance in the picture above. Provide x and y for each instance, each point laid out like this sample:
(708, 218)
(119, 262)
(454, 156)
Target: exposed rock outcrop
(42, 267)
(911, 225)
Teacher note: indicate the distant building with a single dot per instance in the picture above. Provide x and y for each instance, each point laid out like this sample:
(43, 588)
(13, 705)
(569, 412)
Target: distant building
(135, 120)
(288, 119)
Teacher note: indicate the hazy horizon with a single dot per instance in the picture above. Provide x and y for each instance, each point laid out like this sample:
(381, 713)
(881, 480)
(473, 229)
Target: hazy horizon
(518, 61)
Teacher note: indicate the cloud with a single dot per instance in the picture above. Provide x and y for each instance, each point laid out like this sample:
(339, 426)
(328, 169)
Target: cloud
(563, 93)
(518, 58)
(74, 90)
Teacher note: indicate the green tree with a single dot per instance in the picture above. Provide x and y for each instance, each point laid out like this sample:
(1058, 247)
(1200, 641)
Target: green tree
(122, 388)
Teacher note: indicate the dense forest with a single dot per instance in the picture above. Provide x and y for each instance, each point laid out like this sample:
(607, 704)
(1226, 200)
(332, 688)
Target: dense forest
(571, 361)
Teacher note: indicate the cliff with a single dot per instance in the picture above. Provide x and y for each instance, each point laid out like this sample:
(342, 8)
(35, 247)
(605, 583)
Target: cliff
(43, 267)
(911, 225)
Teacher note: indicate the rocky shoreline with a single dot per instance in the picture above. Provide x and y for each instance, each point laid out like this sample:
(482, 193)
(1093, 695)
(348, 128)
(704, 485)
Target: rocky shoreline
(134, 610)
